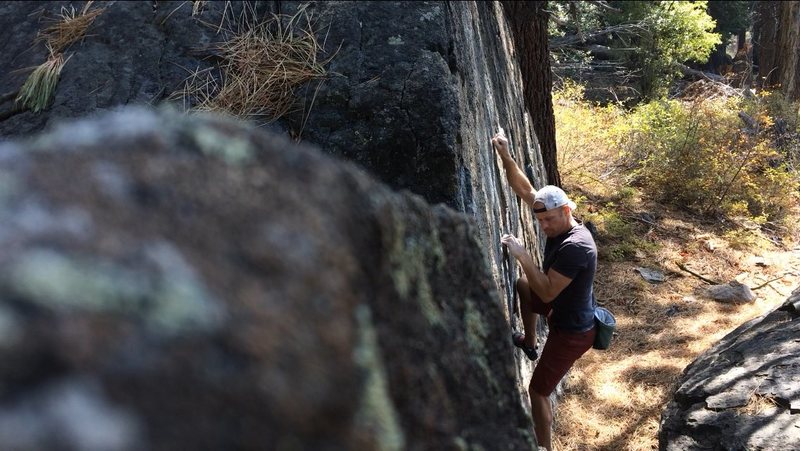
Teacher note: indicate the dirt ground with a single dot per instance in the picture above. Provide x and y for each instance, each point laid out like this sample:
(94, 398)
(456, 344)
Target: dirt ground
(614, 399)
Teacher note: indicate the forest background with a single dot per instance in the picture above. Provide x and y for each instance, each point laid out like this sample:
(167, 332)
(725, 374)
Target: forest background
(676, 127)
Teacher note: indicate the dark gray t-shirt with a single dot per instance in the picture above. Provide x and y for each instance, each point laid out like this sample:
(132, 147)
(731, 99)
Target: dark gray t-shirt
(574, 255)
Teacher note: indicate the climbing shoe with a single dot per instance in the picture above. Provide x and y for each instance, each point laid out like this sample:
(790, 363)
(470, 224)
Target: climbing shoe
(518, 338)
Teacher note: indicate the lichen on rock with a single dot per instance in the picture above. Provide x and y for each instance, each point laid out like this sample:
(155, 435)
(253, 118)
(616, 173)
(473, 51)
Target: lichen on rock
(254, 310)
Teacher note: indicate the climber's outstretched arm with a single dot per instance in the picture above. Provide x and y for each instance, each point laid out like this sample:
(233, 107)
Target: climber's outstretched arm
(516, 178)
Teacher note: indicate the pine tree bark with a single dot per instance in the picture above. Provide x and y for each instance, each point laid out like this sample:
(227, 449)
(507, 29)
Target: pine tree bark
(765, 40)
(528, 20)
(777, 41)
(789, 48)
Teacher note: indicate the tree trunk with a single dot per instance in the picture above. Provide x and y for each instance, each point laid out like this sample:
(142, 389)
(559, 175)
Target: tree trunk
(765, 40)
(741, 40)
(789, 48)
(528, 20)
(719, 61)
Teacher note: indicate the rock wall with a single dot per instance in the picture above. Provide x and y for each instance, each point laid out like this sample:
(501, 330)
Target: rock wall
(420, 89)
(744, 392)
(172, 282)
(415, 91)
(134, 53)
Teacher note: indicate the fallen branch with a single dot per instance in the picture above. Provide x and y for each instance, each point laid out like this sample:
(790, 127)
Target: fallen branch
(641, 217)
(607, 53)
(683, 267)
(699, 75)
(748, 120)
(604, 4)
(572, 39)
(767, 283)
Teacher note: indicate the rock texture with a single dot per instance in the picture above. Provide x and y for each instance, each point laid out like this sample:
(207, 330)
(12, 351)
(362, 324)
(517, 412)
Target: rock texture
(743, 393)
(134, 53)
(415, 88)
(173, 282)
(732, 292)
(420, 88)
(415, 92)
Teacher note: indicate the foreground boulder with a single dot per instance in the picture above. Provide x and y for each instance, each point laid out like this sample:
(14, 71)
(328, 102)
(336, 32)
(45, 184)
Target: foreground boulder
(194, 283)
(743, 393)
(415, 91)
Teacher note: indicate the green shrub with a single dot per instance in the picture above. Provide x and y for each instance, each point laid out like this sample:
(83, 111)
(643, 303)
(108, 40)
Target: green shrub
(697, 156)
(669, 33)
(589, 138)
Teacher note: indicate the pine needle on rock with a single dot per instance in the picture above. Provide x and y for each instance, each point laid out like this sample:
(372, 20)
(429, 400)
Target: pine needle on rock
(263, 61)
(38, 89)
(70, 27)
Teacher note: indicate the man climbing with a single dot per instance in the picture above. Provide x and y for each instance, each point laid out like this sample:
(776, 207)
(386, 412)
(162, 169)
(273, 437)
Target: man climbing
(561, 290)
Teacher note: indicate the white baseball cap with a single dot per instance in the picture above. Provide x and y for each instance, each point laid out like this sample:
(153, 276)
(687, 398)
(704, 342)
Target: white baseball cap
(552, 197)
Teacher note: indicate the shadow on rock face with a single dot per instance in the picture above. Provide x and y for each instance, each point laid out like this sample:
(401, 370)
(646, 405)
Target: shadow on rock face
(173, 282)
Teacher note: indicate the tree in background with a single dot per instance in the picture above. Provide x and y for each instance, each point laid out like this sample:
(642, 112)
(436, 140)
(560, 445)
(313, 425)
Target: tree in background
(652, 37)
(671, 33)
(733, 18)
(528, 20)
(789, 48)
(776, 36)
(765, 41)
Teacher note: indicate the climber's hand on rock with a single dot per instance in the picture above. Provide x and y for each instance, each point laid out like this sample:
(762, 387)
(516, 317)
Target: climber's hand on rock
(500, 143)
(514, 245)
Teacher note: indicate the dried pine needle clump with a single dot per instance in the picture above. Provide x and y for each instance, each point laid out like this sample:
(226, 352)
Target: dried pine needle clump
(70, 27)
(197, 7)
(37, 91)
(262, 63)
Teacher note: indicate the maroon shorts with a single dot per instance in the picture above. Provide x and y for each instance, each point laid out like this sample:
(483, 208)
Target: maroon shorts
(561, 350)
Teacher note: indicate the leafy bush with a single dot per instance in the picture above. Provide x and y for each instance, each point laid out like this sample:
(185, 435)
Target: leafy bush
(773, 104)
(781, 119)
(700, 156)
(670, 33)
(589, 138)
(697, 155)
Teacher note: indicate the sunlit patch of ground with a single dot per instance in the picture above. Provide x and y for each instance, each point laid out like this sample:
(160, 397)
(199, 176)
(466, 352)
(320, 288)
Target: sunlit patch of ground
(614, 399)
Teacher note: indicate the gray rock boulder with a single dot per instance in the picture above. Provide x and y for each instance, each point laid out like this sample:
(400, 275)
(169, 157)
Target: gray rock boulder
(732, 292)
(173, 282)
(415, 89)
(743, 393)
(415, 92)
(418, 90)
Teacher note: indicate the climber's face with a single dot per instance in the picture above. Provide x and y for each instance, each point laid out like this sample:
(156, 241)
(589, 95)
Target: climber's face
(553, 222)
